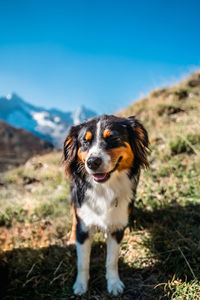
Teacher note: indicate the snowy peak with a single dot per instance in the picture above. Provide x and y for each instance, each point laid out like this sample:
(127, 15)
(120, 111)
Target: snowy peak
(49, 124)
(82, 114)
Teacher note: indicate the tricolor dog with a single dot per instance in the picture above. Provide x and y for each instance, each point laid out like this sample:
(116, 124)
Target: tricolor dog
(103, 158)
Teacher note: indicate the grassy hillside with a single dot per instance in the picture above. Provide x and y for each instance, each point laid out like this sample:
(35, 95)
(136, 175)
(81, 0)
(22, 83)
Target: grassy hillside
(160, 257)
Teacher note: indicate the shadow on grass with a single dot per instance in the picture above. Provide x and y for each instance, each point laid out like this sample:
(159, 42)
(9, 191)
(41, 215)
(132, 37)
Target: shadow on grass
(49, 273)
(174, 239)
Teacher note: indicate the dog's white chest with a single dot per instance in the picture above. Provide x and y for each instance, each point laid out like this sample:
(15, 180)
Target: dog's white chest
(106, 205)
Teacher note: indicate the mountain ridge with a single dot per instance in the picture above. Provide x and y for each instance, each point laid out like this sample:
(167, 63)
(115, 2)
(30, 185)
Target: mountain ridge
(48, 124)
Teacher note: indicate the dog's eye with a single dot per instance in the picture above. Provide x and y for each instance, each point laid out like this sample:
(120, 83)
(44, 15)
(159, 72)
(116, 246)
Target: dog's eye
(113, 136)
(110, 134)
(113, 142)
(84, 145)
(86, 141)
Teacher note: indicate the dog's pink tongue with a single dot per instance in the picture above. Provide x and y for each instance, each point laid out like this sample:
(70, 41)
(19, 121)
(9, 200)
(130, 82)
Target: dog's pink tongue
(99, 176)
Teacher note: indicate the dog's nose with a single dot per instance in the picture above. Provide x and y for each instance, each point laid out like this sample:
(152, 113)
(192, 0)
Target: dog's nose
(94, 162)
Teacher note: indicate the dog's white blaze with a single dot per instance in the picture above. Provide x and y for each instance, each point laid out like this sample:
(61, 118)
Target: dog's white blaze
(83, 254)
(98, 132)
(115, 285)
(97, 151)
(106, 204)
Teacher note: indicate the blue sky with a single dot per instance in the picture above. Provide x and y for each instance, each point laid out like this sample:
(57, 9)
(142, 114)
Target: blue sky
(103, 54)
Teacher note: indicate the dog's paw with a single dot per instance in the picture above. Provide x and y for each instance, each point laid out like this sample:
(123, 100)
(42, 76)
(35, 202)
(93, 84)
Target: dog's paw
(80, 287)
(115, 286)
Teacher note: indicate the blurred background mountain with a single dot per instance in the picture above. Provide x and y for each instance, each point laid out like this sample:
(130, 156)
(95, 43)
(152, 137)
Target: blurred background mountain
(27, 130)
(48, 124)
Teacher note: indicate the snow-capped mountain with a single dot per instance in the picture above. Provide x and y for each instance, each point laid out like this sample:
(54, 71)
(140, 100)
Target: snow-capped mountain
(49, 124)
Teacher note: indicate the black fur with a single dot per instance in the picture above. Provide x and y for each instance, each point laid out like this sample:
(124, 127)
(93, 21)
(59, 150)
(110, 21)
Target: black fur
(118, 235)
(81, 235)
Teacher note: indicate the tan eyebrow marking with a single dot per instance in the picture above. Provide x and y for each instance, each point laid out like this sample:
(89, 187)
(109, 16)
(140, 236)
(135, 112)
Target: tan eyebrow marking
(106, 133)
(88, 136)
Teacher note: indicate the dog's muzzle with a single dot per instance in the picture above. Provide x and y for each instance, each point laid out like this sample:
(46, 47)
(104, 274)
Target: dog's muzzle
(102, 177)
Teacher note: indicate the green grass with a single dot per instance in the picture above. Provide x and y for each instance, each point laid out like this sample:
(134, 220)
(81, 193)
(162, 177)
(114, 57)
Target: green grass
(163, 245)
(177, 289)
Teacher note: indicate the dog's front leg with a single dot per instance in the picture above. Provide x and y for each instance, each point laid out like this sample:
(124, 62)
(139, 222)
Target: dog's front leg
(83, 248)
(114, 284)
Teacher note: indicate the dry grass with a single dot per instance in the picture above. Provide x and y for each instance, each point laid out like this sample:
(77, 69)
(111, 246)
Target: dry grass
(159, 258)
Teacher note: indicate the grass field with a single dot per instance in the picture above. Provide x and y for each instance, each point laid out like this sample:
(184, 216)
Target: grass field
(159, 257)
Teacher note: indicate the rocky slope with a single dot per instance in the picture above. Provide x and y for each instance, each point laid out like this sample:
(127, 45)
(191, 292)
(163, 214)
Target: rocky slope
(18, 145)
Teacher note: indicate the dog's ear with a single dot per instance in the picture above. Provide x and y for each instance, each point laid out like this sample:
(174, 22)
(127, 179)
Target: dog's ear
(139, 140)
(70, 150)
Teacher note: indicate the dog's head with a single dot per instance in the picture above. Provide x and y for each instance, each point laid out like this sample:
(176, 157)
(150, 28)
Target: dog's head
(104, 145)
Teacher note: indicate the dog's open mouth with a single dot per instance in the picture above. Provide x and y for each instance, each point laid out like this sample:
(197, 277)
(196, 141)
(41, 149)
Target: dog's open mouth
(102, 177)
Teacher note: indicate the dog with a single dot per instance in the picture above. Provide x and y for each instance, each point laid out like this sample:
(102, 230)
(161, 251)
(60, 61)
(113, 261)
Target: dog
(103, 158)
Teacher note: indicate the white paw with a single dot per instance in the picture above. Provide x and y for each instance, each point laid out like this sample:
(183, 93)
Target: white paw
(115, 286)
(80, 287)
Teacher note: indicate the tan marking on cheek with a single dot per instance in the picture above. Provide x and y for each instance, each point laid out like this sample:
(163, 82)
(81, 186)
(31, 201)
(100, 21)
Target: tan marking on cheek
(88, 136)
(68, 141)
(106, 133)
(127, 156)
(82, 155)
